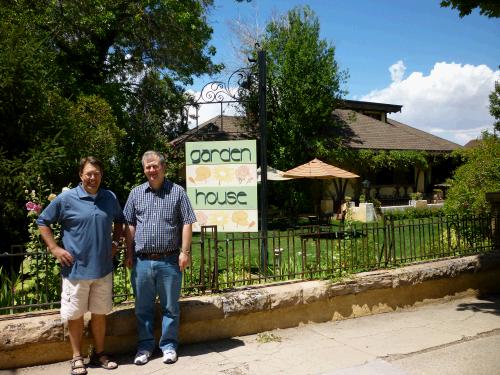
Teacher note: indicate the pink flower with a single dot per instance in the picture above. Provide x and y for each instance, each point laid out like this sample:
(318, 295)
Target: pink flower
(30, 206)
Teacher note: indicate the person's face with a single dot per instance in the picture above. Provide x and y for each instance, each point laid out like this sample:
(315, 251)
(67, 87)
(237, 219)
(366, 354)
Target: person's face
(91, 178)
(154, 171)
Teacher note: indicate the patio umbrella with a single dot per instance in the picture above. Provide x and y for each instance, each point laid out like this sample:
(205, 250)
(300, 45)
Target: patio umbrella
(318, 170)
(273, 174)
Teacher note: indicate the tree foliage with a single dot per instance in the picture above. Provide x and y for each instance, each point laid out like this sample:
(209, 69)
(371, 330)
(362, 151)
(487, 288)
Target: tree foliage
(368, 162)
(481, 171)
(489, 8)
(101, 77)
(304, 85)
(479, 174)
(495, 106)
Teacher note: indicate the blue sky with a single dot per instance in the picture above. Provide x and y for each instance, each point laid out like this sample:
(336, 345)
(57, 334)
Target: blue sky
(443, 66)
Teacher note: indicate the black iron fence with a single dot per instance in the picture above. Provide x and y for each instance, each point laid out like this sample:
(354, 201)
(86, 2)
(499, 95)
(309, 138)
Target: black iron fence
(31, 280)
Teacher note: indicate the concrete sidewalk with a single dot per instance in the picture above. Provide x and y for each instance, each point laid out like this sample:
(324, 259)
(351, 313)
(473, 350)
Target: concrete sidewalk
(445, 337)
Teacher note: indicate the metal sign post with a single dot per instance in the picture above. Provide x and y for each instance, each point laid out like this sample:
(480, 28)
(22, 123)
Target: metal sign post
(261, 60)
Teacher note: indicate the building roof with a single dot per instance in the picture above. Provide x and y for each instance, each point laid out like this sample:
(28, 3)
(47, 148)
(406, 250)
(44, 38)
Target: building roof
(369, 133)
(472, 143)
(362, 131)
(371, 106)
(219, 128)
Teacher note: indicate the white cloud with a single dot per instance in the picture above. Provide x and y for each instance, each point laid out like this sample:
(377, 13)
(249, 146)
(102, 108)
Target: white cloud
(451, 101)
(397, 71)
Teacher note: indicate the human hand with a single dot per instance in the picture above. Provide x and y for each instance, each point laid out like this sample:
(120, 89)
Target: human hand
(114, 250)
(63, 256)
(184, 261)
(128, 261)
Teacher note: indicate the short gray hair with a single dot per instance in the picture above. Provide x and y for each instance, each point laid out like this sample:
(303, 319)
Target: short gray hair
(156, 154)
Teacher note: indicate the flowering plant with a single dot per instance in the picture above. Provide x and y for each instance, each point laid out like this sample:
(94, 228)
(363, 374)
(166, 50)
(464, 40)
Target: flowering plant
(33, 207)
(39, 272)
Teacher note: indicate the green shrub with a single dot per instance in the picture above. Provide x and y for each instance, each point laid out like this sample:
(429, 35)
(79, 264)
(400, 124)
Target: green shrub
(416, 196)
(479, 174)
(413, 213)
(39, 273)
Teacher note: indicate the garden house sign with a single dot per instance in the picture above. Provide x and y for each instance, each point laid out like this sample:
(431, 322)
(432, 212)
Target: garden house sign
(221, 183)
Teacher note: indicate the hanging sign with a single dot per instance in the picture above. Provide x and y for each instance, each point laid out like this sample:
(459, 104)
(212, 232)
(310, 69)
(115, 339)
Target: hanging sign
(221, 183)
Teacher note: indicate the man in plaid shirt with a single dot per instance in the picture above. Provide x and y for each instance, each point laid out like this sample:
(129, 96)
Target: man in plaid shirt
(159, 218)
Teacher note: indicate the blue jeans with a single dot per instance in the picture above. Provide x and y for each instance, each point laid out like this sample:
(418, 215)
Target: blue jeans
(151, 278)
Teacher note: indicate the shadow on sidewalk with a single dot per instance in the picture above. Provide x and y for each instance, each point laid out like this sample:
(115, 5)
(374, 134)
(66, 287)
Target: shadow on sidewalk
(218, 346)
(188, 350)
(490, 304)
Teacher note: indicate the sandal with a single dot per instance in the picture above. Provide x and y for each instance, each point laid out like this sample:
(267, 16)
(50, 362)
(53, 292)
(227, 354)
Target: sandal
(102, 360)
(78, 366)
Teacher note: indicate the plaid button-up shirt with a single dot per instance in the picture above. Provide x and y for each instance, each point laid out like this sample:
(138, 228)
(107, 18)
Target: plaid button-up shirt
(158, 217)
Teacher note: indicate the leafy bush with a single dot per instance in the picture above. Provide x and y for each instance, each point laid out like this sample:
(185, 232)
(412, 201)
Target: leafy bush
(479, 174)
(39, 274)
(377, 205)
(413, 213)
(416, 196)
(8, 296)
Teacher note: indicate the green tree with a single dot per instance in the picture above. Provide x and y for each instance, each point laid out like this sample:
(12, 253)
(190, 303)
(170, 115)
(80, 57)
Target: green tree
(489, 8)
(495, 106)
(479, 174)
(27, 85)
(150, 125)
(100, 76)
(481, 171)
(303, 87)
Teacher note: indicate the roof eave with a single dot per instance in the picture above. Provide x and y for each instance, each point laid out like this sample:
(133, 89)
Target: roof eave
(356, 104)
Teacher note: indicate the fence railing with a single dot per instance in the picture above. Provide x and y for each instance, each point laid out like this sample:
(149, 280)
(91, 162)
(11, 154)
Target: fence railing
(31, 281)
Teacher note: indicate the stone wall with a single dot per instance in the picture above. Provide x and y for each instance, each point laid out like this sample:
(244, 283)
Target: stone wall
(31, 339)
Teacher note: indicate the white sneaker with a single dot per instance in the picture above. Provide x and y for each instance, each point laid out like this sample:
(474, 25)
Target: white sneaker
(169, 356)
(142, 357)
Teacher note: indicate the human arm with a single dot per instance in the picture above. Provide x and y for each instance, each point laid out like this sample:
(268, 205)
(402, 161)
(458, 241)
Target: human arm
(63, 256)
(130, 224)
(117, 235)
(185, 255)
(129, 240)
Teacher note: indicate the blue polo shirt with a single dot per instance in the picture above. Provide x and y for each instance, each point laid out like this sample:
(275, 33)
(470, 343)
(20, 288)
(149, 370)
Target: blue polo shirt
(86, 227)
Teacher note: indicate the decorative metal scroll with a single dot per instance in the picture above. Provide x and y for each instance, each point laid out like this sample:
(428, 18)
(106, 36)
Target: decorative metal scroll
(219, 91)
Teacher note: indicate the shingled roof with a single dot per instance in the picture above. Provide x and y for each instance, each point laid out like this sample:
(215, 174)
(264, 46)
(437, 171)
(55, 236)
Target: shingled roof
(219, 128)
(364, 132)
(369, 133)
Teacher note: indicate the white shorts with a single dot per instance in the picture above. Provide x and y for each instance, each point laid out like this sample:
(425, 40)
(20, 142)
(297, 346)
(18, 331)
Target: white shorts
(80, 296)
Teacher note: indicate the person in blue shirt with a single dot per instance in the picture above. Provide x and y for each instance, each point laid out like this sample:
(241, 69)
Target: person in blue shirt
(159, 221)
(89, 242)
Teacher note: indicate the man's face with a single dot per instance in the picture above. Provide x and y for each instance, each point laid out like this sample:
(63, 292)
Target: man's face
(154, 171)
(91, 178)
